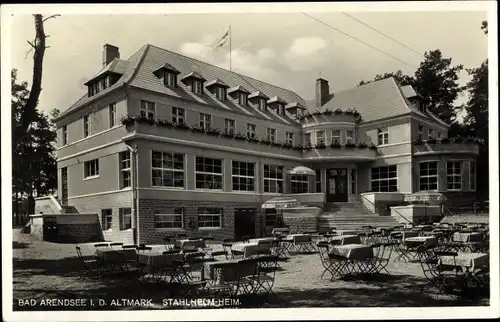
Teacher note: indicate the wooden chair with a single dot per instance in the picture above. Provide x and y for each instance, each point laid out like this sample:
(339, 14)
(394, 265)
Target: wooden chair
(90, 266)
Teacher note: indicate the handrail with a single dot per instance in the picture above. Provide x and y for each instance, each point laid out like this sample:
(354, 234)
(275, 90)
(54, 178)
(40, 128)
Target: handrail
(374, 207)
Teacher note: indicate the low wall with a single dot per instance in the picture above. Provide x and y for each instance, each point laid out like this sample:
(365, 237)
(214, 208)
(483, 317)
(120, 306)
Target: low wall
(380, 202)
(47, 205)
(416, 213)
(301, 219)
(309, 199)
(69, 228)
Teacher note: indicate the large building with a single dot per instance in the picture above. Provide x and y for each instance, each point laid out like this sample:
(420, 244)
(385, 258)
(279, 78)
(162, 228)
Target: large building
(162, 143)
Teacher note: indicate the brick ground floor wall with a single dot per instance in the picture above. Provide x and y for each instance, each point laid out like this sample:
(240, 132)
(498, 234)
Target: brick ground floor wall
(148, 234)
(299, 224)
(80, 233)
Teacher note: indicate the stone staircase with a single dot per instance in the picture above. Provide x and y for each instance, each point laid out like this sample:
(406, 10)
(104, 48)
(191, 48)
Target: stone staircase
(352, 215)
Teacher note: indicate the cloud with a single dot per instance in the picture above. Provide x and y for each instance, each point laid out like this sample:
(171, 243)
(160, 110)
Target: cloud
(306, 53)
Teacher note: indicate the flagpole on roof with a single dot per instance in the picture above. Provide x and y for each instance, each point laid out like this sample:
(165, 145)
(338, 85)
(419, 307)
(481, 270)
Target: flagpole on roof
(230, 63)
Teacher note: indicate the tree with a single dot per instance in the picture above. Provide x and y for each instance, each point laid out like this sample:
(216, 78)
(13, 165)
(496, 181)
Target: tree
(484, 27)
(435, 79)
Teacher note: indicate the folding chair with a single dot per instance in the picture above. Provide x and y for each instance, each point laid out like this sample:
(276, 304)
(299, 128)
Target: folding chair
(115, 244)
(264, 279)
(452, 277)
(331, 263)
(430, 267)
(208, 240)
(219, 253)
(168, 242)
(381, 258)
(90, 266)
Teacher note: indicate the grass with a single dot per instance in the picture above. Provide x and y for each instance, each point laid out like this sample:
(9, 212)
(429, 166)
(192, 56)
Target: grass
(45, 270)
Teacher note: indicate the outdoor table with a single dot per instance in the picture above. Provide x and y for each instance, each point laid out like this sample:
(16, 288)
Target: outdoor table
(110, 256)
(405, 233)
(229, 272)
(346, 239)
(421, 241)
(353, 251)
(301, 243)
(265, 240)
(240, 247)
(154, 260)
(250, 249)
(471, 261)
(187, 244)
(346, 232)
(467, 237)
(299, 238)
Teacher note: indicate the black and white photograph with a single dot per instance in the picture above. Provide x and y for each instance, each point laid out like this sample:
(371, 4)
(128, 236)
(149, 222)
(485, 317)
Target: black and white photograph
(250, 161)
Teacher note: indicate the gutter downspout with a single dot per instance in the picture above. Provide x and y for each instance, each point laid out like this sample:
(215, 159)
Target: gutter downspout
(134, 161)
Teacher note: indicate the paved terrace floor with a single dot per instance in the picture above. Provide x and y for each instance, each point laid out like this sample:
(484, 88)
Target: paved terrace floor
(48, 270)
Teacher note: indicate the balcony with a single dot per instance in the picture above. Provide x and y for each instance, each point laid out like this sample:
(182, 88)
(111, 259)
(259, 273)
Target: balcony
(345, 153)
(447, 146)
(211, 139)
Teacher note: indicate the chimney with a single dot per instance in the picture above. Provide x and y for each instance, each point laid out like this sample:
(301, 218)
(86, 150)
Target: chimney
(109, 53)
(322, 91)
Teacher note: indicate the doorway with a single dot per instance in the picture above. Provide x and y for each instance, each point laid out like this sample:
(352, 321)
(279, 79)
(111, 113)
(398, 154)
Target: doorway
(244, 223)
(336, 185)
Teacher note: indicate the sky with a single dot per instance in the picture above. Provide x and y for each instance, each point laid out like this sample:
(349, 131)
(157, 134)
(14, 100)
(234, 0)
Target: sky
(290, 50)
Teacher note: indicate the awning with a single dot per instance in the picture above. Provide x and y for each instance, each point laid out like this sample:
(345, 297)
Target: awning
(301, 170)
(426, 196)
(280, 202)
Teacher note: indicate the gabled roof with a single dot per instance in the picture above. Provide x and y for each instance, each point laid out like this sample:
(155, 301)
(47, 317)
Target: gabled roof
(258, 94)
(238, 88)
(276, 99)
(193, 75)
(168, 67)
(377, 100)
(216, 82)
(116, 66)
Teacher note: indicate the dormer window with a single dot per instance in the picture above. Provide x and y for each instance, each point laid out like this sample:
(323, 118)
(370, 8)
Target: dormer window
(243, 99)
(277, 104)
(170, 79)
(220, 93)
(262, 105)
(196, 87)
(294, 109)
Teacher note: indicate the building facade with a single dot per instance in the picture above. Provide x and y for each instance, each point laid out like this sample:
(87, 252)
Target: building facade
(163, 144)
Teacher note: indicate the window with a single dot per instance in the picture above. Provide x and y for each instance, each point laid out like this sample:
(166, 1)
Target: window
(172, 219)
(229, 126)
(205, 121)
(273, 178)
(271, 135)
(220, 93)
(125, 218)
(472, 176)
(167, 169)
(428, 176)
(299, 183)
(271, 217)
(454, 175)
(320, 137)
(106, 219)
(125, 170)
(383, 136)
(64, 135)
(439, 135)
(280, 109)
(178, 115)
(307, 139)
(208, 173)
(112, 115)
(384, 179)
(170, 79)
(318, 180)
(420, 132)
(353, 181)
(262, 104)
(289, 138)
(147, 109)
(336, 136)
(349, 136)
(209, 218)
(91, 169)
(430, 134)
(86, 126)
(243, 176)
(196, 87)
(251, 131)
(243, 99)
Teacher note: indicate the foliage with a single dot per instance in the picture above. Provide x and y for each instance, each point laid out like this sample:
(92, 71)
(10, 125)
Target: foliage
(34, 171)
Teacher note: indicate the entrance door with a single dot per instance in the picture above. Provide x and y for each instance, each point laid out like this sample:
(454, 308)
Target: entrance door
(336, 185)
(244, 223)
